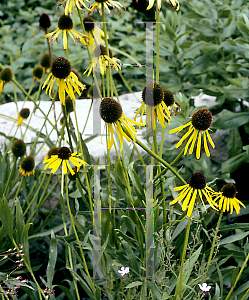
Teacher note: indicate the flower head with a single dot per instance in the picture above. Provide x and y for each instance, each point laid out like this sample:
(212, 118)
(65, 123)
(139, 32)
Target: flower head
(65, 25)
(103, 61)
(37, 73)
(124, 271)
(23, 115)
(45, 61)
(52, 151)
(65, 79)
(95, 34)
(153, 102)
(106, 4)
(201, 121)
(5, 77)
(18, 148)
(227, 199)
(44, 22)
(174, 3)
(70, 4)
(111, 112)
(197, 185)
(63, 156)
(27, 166)
(93, 92)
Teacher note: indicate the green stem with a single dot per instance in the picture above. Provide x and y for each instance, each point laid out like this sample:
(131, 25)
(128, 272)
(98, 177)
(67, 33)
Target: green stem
(90, 108)
(33, 199)
(10, 176)
(77, 237)
(157, 44)
(173, 163)
(159, 159)
(244, 297)
(84, 31)
(238, 277)
(213, 242)
(179, 296)
(63, 208)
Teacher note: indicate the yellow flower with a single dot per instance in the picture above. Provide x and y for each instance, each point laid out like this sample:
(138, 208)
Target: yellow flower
(5, 77)
(103, 61)
(27, 166)
(153, 102)
(63, 156)
(107, 4)
(65, 25)
(52, 151)
(95, 34)
(189, 193)
(66, 80)
(111, 112)
(227, 199)
(70, 4)
(201, 121)
(23, 115)
(174, 3)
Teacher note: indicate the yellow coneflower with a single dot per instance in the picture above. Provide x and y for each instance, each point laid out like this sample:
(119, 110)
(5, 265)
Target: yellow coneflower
(65, 25)
(106, 4)
(154, 105)
(95, 34)
(5, 77)
(66, 80)
(201, 121)
(227, 199)
(27, 166)
(63, 156)
(103, 61)
(174, 3)
(111, 112)
(37, 73)
(189, 192)
(52, 151)
(23, 115)
(70, 4)
(18, 148)
(45, 62)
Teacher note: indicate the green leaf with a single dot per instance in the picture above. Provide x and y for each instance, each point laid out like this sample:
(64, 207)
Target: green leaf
(243, 28)
(6, 217)
(235, 274)
(133, 284)
(230, 120)
(20, 224)
(233, 238)
(52, 260)
(234, 143)
(187, 268)
(233, 163)
(25, 242)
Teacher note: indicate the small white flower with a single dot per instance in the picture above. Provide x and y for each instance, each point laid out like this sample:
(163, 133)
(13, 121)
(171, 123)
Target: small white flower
(124, 271)
(204, 287)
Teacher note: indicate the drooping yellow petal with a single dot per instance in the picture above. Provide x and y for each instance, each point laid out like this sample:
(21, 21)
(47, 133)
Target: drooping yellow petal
(69, 167)
(205, 144)
(177, 129)
(191, 204)
(193, 141)
(186, 201)
(210, 140)
(198, 149)
(151, 2)
(64, 39)
(184, 137)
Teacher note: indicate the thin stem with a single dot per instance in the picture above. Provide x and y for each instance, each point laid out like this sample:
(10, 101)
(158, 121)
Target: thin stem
(238, 277)
(77, 237)
(10, 176)
(157, 45)
(159, 159)
(214, 241)
(183, 257)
